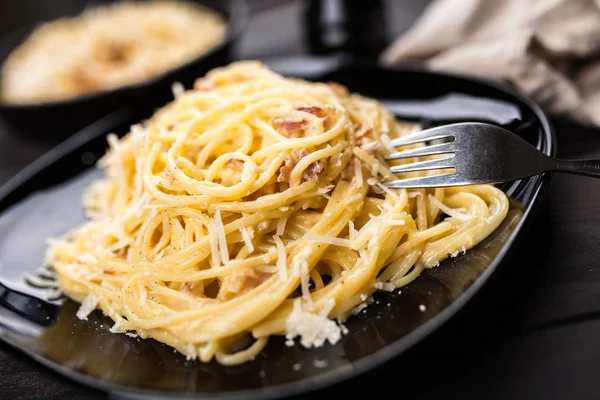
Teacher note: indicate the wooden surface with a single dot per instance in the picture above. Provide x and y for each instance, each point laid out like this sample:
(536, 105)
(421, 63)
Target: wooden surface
(533, 333)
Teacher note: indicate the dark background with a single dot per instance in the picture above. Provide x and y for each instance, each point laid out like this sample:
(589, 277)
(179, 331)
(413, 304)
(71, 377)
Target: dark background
(533, 333)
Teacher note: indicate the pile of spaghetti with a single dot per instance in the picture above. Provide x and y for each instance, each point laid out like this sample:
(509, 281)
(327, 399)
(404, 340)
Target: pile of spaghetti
(253, 205)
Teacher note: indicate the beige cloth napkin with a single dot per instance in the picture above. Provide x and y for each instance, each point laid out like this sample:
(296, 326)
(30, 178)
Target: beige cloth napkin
(548, 48)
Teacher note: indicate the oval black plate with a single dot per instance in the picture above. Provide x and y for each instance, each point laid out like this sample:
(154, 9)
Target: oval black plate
(44, 200)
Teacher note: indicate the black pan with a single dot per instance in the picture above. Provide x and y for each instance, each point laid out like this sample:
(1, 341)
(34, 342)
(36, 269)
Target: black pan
(59, 119)
(44, 201)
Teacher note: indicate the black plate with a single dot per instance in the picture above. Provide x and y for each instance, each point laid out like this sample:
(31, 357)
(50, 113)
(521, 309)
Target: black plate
(59, 119)
(44, 200)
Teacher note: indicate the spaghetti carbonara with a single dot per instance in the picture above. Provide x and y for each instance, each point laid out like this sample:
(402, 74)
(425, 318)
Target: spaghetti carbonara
(253, 205)
(106, 47)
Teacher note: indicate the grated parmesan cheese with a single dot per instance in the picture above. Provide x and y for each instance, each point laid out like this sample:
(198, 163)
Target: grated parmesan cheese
(351, 230)
(88, 305)
(116, 328)
(358, 172)
(387, 221)
(143, 293)
(362, 306)
(312, 329)
(325, 189)
(449, 211)
(222, 240)
(387, 191)
(177, 89)
(247, 240)
(191, 353)
(281, 223)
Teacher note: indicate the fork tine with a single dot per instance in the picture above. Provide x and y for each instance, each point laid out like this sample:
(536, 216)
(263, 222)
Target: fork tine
(423, 151)
(442, 180)
(422, 136)
(439, 163)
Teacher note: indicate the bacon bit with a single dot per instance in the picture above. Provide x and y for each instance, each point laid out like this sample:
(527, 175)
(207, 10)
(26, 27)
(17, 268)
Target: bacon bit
(362, 130)
(290, 163)
(348, 171)
(363, 133)
(321, 113)
(240, 282)
(83, 81)
(235, 164)
(285, 171)
(204, 84)
(290, 127)
(112, 53)
(314, 110)
(314, 170)
(338, 89)
(188, 286)
(108, 272)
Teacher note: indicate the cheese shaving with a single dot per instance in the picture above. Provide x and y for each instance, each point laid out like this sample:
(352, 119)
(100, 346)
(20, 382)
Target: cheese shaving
(88, 305)
(143, 293)
(116, 328)
(218, 224)
(351, 230)
(281, 222)
(358, 172)
(177, 89)
(334, 241)
(247, 239)
(449, 211)
(387, 221)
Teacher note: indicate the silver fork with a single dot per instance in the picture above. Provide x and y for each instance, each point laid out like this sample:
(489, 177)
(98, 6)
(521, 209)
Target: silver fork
(479, 153)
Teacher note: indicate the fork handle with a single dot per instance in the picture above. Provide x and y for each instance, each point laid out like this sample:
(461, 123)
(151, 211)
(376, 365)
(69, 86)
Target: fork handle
(580, 167)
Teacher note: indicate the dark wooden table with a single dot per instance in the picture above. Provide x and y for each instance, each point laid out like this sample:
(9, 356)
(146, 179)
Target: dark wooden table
(533, 333)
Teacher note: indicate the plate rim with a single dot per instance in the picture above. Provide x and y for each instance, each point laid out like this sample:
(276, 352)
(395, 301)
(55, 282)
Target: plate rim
(376, 359)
